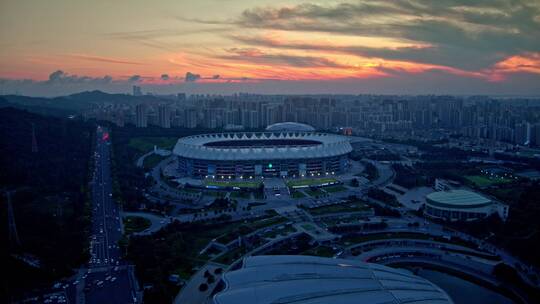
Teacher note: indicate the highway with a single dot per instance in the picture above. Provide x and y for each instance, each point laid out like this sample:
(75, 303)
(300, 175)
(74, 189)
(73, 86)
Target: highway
(106, 225)
(108, 279)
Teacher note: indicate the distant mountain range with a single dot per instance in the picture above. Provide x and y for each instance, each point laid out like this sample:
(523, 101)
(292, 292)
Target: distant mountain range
(71, 104)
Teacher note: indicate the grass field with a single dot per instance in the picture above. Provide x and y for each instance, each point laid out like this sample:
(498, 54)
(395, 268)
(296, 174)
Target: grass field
(239, 184)
(152, 160)
(335, 189)
(311, 182)
(279, 231)
(246, 228)
(297, 194)
(314, 193)
(239, 194)
(347, 207)
(135, 224)
(484, 181)
(215, 193)
(146, 144)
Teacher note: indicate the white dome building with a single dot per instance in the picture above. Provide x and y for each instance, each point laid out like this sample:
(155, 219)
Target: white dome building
(290, 126)
(315, 280)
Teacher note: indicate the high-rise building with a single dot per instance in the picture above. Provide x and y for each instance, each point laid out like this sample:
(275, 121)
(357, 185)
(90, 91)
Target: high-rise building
(164, 116)
(191, 118)
(535, 135)
(137, 91)
(141, 116)
(523, 133)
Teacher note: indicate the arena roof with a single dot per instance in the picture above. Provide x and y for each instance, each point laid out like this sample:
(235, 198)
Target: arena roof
(307, 279)
(290, 126)
(247, 146)
(457, 199)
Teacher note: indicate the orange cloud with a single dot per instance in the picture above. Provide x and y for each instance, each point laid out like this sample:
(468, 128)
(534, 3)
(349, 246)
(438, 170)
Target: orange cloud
(524, 63)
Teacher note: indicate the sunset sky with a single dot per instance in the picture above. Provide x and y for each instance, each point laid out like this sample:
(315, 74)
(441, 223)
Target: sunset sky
(223, 46)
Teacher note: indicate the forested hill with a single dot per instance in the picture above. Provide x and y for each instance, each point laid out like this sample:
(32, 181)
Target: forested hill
(75, 103)
(50, 202)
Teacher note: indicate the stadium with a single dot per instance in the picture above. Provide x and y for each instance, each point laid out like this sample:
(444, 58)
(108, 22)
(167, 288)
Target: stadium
(309, 279)
(465, 205)
(267, 154)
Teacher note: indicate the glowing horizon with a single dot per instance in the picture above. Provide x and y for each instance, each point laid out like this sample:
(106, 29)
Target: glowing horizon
(217, 42)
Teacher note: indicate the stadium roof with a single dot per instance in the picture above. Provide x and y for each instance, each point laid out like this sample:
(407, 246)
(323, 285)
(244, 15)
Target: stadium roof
(290, 126)
(316, 280)
(196, 147)
(458, 198)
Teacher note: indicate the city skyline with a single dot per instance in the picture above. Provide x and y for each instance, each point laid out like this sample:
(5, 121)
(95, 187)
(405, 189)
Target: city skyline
(284, 47)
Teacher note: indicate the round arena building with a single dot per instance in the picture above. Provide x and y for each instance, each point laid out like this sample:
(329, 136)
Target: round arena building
(268, 154)
(456, 205)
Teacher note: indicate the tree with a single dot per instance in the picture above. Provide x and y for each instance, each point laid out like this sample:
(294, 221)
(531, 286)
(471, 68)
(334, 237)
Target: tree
(203, 287)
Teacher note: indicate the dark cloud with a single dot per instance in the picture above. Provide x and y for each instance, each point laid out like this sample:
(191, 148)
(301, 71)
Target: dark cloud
(134, 78)
(190, 77)
(256, 56)
(440, 55)
(463, 34)
(215, 77)
(164, 77)
(105, 59)
(56, 76)
(155, 38)
(60, 77)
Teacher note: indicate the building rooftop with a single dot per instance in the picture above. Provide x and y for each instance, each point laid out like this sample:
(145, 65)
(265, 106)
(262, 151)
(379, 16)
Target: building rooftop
(290, 126)
(307, 279)
(458, 198)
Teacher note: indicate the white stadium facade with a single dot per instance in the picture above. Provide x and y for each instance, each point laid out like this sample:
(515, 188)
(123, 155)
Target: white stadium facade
(280, 153)
(315, 280)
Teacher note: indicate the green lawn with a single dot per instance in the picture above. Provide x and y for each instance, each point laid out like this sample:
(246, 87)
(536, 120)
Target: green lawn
(231, 256)
(309, 227)
(152, 160)
(335, 189)
(215, 193)
(347, 207)
(297, 194)
(135, 224)
(146, 144)
(310, 181)
(240, 194)
(239, 184)
(484, 181)
(314, 193)
(246, 228)
(279, 231)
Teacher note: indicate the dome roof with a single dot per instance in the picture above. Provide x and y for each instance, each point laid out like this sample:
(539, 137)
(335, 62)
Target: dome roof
(316, 280)
(290, 126)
